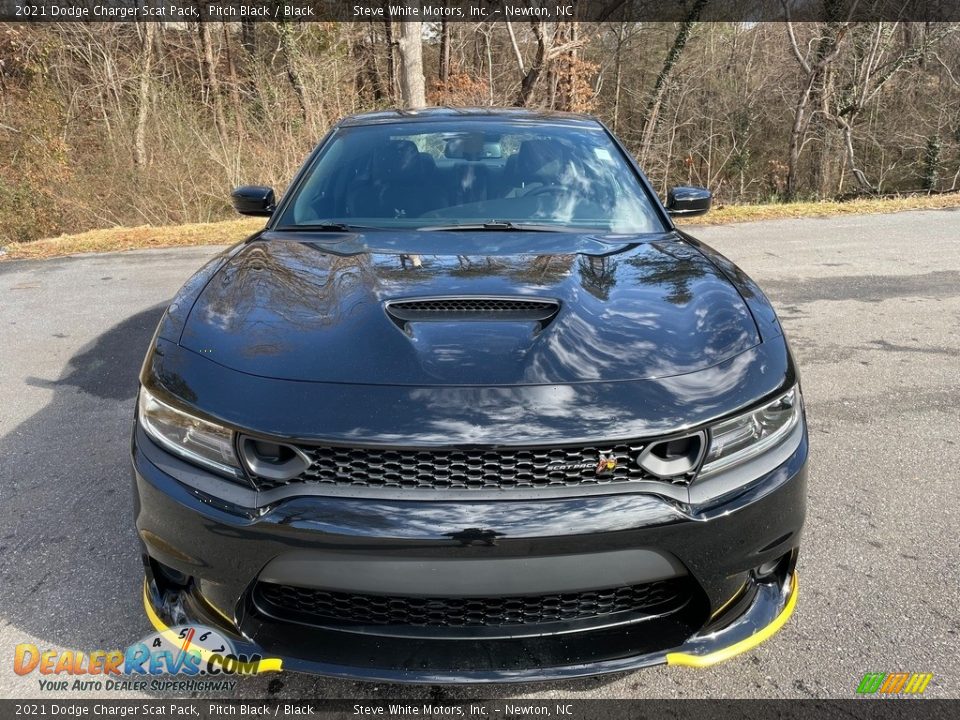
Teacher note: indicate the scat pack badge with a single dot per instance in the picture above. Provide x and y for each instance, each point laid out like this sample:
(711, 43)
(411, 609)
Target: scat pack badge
(606, 463)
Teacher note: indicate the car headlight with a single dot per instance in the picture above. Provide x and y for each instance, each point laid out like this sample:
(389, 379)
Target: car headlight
(199, 441)
(745, 437)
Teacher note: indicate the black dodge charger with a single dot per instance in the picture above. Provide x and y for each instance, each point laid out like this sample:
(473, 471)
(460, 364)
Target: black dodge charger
(471, 408)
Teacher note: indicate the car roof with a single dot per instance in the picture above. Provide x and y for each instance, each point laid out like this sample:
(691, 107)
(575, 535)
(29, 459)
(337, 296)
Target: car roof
(379, 117)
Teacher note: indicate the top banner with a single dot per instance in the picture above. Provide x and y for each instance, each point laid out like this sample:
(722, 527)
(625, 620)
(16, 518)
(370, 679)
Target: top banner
(477, 10)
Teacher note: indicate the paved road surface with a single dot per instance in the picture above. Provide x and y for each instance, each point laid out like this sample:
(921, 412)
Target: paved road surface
(872, 305)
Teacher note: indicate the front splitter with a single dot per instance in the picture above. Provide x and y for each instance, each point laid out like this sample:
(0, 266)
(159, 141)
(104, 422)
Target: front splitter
(770, 609)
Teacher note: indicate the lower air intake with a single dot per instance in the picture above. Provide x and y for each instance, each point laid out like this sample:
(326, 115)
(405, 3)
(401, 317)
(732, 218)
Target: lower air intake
(340, 609)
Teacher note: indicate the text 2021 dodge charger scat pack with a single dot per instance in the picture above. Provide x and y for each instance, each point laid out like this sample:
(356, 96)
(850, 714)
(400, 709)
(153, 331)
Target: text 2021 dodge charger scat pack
(471, 408)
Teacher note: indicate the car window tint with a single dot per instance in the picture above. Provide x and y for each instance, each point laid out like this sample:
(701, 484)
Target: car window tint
(466, 172)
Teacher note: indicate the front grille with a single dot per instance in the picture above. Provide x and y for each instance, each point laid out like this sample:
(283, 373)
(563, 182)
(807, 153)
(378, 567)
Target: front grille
(322, 607)
(481, 469)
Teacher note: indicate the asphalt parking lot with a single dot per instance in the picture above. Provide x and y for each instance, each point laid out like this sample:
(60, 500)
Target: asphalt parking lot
(870, 303)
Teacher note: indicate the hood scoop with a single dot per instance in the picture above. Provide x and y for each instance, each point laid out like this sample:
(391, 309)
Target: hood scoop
(485, 308)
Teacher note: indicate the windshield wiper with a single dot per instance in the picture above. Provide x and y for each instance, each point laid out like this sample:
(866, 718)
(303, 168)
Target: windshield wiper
(503, 226)
(324, 227)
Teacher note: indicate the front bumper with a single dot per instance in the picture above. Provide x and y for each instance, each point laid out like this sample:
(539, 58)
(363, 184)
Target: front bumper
(204, 557)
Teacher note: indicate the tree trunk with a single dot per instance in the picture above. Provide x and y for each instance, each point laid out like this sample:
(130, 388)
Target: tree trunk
(532, 76)
(444, 52)
(490, 100)
(797, 132)
(234, 84)
(663, 78)
(391, 62)
(289, 48)
(566, 34)
(817, 85)
(516, 48)
(366, 73)
(831, 160)
(139, 139)
(618, 76)
(412, 91)
(858, 174)
(213, 81)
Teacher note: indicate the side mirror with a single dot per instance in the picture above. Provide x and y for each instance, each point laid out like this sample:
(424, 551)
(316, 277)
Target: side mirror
(253, 200)
(688, 201)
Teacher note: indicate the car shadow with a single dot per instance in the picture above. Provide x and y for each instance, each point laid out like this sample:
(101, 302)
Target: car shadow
(69, 557)
(68, 548)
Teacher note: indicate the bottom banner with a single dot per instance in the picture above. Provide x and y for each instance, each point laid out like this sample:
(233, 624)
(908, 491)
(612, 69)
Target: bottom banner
(867, 709)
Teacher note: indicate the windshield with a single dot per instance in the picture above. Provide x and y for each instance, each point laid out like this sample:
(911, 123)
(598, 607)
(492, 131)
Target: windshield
(443, 175)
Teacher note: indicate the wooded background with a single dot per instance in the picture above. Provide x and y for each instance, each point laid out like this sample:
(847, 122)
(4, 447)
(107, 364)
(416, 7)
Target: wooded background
(135, 123)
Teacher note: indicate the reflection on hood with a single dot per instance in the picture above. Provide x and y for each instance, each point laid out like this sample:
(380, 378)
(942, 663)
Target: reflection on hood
(301, 310)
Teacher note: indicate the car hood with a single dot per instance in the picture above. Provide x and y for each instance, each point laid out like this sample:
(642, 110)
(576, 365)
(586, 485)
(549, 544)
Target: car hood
(313, 307)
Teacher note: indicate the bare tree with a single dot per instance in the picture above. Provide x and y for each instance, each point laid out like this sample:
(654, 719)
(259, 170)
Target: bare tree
(143, 96)
(566, 34)
(412, 85)
(444, 64)
(618, 71)
(234, 85)
(564, 42)
(652, 117)
(878, 62)
(290, 49)
(815, 65)
(516, 48)
(391, 45)
(532, 75)
(211, 76)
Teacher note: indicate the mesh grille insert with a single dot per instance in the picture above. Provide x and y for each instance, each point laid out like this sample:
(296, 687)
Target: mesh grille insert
(342, 609)
(480, 469)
